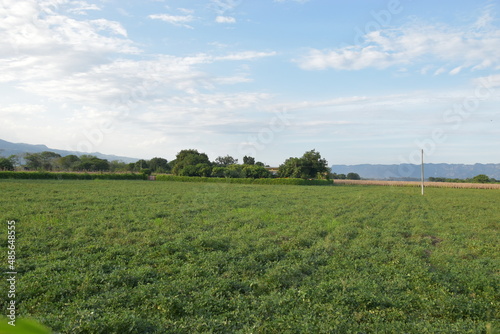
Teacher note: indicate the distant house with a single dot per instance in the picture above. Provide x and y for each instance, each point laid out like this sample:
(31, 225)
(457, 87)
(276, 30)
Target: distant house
(273, 170)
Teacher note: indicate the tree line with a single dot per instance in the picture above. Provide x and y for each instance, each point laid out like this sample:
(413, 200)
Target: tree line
(481, 178)
(187, 162)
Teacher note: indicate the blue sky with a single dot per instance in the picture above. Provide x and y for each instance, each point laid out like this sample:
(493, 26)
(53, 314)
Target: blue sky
(359, 81)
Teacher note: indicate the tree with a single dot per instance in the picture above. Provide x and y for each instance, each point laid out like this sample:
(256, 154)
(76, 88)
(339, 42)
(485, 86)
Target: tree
(353, 176)
(248, 160)
(313, 165)
(255, 172)
(6, 164)
(226, 161)
(45, 160)
(292, 167)
(187, 158)
(118, 166)
(481, 178)
(159, 165)
(141, 164)
(33, 161)
(92, 164)
(48, 160)
(309, 166)
(68, 162)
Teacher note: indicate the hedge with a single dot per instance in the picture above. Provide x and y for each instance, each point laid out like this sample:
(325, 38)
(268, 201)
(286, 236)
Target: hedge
(299, 182)
(70, 176)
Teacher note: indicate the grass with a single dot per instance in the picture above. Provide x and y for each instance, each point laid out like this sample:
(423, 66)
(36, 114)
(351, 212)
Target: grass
(169, 257)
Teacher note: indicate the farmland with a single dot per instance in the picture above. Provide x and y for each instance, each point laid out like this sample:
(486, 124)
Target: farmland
(168, 257)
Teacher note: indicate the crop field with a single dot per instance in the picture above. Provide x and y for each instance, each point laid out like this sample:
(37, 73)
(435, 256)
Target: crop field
(169, 257)
(418, 184)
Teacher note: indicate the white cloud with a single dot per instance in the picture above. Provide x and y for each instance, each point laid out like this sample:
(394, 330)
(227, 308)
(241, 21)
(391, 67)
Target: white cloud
(186, 10)
(81, 7)
(224, 6)
(456, 70)
(120, 82)
(246, 55)
(461, 47)
(491, 81)
(177, 20)
(225, 19)
(23, 109)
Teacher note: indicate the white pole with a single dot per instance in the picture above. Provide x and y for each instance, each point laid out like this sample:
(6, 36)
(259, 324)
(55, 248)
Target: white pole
(422, 172)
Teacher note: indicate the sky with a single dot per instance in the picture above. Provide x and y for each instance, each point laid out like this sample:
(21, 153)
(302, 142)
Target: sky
(358, 81)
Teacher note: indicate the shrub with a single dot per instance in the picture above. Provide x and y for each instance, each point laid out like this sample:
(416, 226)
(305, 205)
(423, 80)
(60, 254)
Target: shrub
(277, 181)
(70, 176)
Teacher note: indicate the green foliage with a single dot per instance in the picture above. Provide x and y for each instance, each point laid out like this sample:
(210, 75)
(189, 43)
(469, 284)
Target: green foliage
(69, 176)
(292, 167)
(336, 176)
(159, 165)
(41, 161)
(245, 180)
(248, 160)
(141, 164)
(69, 162)
(225, 161)
(91, 163)
(309, 166)
(481, 178)
(190, 163)
(353, 176)
(6, 164)
(157, 257)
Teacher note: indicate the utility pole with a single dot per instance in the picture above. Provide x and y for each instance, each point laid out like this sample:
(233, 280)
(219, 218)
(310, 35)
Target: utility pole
(422, 172)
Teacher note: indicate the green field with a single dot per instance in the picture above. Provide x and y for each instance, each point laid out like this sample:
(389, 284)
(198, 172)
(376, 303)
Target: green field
(169, 257)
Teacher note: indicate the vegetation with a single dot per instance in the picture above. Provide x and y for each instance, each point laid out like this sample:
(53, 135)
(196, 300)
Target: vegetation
(70, 176)
(7, 163)
(481, 178)
(171, 257)
(353, 176)
(309, 166)
(273, 181)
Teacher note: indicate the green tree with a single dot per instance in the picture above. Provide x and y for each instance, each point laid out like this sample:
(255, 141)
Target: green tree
(159, 165)
(92, 164)
(292, 167)
(481, 178)
(309, 166)
(255, 172)
(141, 164)
(49, 160)
(118, 166)
(313, 166)
(353, 176)
(248, 160)
(41, 161)
(187, 158)
(226, 161)
(6, 164)
(68, 162)
(33, 161)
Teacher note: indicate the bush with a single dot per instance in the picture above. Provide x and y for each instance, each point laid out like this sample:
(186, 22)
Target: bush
(278, 181)
(70, 176)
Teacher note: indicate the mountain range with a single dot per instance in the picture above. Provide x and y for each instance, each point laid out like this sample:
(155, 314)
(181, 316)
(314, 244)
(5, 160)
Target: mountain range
(8, 148)
(409, 171)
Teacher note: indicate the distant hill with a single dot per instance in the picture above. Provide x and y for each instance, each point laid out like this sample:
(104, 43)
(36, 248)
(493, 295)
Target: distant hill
(8, 148)
(408, 171)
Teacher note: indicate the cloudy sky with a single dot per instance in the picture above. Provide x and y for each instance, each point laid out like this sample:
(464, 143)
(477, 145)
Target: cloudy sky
(359, 81)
